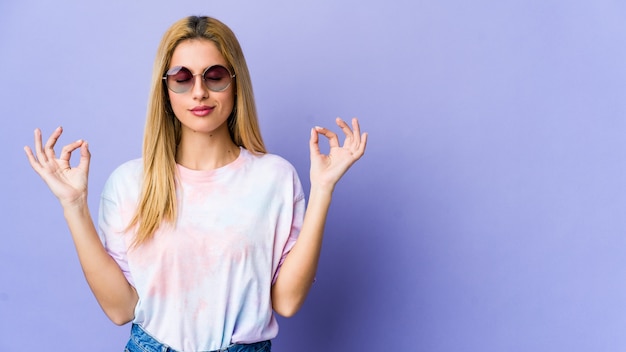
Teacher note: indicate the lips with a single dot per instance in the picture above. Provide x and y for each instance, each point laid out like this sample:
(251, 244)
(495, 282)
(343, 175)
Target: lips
(201, 110)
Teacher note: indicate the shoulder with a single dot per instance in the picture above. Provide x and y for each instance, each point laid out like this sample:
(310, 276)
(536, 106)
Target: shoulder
(127, 175)
(270, 162)
(131, 168)
(274, 171)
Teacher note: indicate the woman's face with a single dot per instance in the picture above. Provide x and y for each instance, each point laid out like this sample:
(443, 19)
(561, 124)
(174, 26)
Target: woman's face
(199, 109)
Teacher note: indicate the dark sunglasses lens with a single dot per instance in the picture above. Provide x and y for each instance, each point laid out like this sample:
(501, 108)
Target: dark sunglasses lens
(217, 78)
(179, 79)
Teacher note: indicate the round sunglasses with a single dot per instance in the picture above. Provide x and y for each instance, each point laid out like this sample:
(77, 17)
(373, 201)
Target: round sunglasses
(216, 78)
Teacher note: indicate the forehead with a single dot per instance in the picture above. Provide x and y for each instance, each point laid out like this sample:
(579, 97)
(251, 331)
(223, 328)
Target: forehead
(197, 54)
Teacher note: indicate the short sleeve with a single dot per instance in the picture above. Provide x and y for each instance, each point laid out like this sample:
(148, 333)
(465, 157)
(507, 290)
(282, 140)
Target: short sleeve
(111, 229)
(297, 218)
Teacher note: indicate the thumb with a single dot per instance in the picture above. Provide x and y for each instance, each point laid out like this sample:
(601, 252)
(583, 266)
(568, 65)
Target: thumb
(85, 157)
(314, 146)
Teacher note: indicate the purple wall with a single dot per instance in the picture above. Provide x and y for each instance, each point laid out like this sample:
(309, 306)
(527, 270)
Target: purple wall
(486, 215)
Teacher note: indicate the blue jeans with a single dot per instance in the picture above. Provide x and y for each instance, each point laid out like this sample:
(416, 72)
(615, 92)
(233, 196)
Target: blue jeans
(141, 341)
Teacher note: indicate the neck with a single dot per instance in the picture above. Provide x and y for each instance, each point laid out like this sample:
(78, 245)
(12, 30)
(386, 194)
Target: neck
(206, 152)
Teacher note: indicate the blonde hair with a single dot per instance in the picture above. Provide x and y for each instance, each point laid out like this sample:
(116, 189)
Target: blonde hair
(157, 202)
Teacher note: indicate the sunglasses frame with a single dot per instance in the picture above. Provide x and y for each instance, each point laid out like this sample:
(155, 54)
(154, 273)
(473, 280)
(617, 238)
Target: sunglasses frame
(193, 78)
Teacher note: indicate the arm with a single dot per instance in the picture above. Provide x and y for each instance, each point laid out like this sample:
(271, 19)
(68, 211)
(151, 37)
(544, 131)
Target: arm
(298, 270)
(105, 278)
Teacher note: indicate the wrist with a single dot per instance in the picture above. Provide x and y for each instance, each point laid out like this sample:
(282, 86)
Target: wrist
(75, 205)
(324, 190)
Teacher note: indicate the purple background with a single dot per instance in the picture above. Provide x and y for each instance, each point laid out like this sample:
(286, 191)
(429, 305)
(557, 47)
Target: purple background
(486, 215)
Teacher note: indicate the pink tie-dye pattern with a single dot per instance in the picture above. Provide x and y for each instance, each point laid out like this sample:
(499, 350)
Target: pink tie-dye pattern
(205, 281)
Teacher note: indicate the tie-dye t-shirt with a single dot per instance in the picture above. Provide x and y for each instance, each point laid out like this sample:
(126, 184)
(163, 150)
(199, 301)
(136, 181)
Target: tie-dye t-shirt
(204, 283)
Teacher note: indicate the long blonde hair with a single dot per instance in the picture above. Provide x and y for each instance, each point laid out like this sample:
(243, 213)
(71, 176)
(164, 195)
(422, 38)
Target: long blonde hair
(157, 202)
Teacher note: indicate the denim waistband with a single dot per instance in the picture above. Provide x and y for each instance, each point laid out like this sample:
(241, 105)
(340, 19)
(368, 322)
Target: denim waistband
(141, 341)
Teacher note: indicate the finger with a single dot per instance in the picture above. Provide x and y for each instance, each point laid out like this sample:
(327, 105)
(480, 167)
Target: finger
(41, 157)
(361, 149)
(66, 151)
(49, 147)
(332, 136)
(34, 163)
(346, 130)
(356, 129)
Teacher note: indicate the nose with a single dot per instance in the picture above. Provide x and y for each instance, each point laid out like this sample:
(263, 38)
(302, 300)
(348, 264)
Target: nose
(199, 89)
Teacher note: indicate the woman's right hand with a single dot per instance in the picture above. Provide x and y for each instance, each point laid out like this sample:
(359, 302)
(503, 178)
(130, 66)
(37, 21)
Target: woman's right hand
(107, 281)
(69, 184)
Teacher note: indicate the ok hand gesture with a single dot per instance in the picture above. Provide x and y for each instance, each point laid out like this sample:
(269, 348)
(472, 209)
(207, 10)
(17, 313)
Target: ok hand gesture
(68, 184)
(326, 170)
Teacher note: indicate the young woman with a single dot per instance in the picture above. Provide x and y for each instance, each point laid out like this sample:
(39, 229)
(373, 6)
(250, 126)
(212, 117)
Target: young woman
(204, 237)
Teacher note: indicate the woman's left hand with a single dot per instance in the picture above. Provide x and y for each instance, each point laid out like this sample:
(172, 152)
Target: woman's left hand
(326, 170)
